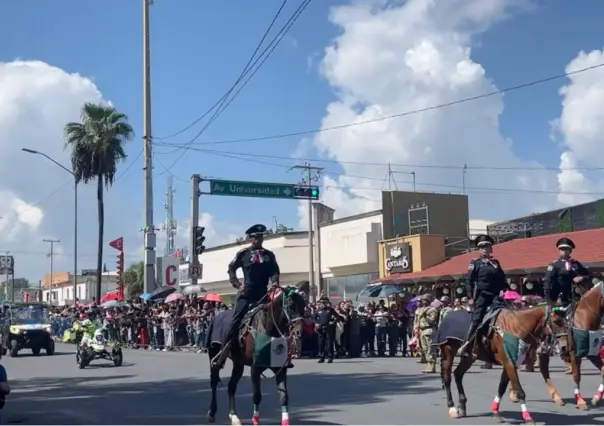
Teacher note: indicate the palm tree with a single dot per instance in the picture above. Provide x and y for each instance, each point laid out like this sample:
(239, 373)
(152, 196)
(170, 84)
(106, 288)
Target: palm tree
(134, 278)
(97, 146)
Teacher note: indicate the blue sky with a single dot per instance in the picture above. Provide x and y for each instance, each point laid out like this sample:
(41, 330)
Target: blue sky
(199, 48)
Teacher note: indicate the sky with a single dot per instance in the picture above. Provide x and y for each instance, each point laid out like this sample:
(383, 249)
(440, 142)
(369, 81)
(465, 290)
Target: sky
(344, 64)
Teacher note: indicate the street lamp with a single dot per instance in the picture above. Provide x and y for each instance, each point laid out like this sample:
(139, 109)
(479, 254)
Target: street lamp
(75, 224)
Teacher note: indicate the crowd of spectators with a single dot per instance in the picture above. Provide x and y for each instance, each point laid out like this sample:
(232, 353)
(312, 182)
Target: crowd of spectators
(373, 329)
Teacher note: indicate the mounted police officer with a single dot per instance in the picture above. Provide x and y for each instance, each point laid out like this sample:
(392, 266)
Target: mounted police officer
(325, 320)
(259, 266)
(562, 272)
(485, 281)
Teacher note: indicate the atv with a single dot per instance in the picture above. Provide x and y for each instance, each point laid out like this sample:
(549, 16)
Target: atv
(96, 347)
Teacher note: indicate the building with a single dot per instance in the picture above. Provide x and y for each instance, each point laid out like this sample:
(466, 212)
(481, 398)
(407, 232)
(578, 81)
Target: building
(59, 290)
(348, 256)
(576, 218)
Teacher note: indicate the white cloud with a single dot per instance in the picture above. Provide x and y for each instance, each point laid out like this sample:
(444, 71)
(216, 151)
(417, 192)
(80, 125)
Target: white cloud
(581, 125)
(216, 233)
(392, 57)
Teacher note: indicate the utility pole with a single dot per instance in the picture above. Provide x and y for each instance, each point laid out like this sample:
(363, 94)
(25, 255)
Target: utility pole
(195, 194)
(149, 230)
(463, 178)
(170, 223)
(51, 255)
(7, 253)
(308, 180)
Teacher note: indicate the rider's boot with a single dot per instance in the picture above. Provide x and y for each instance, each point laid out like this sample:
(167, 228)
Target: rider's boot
(465, 348)
(431, 368)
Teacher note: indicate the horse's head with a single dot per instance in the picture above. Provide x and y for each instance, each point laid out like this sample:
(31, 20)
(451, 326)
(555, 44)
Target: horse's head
(557, 328)
(292, 305)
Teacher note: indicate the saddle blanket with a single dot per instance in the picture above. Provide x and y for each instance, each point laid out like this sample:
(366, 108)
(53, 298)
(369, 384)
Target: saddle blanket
(270, 351)
(515, 349)
(219, 327)
(587, 342)
(454, 326)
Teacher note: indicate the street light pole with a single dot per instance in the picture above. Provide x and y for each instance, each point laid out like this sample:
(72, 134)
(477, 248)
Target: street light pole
(75, 218)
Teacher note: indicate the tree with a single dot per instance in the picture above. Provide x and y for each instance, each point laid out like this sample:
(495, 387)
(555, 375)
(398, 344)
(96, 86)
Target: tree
(97, 146)
(134, 278)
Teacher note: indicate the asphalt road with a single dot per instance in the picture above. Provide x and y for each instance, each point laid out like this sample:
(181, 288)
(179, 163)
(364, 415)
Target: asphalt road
(173, 388)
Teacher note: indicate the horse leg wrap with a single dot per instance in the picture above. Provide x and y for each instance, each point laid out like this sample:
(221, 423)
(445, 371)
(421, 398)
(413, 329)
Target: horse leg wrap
(525, 414)
(495, 405)
(599, 392)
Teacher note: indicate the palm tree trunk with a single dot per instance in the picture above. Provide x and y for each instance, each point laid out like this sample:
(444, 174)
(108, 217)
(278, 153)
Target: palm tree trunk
(99, 259)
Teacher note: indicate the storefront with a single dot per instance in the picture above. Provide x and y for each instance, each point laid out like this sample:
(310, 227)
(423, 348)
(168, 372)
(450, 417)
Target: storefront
(409, 254)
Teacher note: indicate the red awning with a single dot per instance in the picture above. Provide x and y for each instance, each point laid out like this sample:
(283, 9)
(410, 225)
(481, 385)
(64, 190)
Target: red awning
(212, 297)
(111, 295)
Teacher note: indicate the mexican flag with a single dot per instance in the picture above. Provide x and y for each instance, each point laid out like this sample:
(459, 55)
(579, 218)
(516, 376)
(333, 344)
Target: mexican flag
(515, 348)
(586, 342)
(270, 351)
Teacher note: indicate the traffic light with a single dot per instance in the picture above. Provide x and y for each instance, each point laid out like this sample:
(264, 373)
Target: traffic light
(199, 239)
(306, 192)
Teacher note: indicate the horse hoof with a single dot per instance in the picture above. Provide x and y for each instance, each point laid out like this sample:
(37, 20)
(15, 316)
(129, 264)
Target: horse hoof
(513, 397)
(453, 413)
(581, 405)
(497, 418)
(285, 422)
(235, 420)
(559, 402)
(595, 401)
(529, 421)
(255, 420)
(461, 412)
(210, 418)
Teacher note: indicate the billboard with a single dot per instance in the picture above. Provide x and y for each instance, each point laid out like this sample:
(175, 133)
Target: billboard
(167, 271)
(7, 265)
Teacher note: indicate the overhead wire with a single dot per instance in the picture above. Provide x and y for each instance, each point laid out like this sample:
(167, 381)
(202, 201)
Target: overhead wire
(406, 113)
(261, 59)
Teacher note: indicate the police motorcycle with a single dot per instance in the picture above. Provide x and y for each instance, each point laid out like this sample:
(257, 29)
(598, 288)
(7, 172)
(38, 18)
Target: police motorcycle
(95, 346)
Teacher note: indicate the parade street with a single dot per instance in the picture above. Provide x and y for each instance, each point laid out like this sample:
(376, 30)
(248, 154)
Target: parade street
(172, 388)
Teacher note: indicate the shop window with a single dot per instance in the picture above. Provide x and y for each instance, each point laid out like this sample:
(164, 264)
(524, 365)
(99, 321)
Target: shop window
(348, 286)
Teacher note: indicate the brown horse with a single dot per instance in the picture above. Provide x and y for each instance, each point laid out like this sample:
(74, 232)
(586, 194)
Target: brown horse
(278, 319)
(586, 318)
(528, 325)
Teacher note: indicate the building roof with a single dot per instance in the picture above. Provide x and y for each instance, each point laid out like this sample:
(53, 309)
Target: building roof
(527, 254)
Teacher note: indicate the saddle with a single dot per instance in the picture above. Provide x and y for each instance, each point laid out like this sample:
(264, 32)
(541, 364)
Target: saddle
(488, 321)
(244, 327)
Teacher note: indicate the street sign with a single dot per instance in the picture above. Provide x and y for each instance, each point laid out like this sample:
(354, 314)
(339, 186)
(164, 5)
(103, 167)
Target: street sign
(195, 271)
(251, 189)
(7, 265)
(117, 244)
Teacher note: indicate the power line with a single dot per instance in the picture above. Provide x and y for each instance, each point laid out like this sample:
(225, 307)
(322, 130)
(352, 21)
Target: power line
(272, 46)
(488, 190)
(419, 166)
(241, 76)
(406, 113)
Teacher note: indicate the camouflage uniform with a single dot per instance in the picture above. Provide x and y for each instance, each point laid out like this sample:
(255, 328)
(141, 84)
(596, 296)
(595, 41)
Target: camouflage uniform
(445, 309)
(428, 321)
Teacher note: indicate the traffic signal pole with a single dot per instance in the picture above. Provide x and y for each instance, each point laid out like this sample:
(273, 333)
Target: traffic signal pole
(195, 194)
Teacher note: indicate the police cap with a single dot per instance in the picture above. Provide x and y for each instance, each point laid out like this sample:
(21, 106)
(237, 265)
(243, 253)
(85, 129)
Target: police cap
(444, 299)
(426, 296)
(565, 243)
(324, 299)
(483, 241)
(256, 230)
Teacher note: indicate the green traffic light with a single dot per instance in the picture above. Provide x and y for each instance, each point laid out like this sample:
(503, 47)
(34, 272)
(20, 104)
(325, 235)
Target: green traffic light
(314, 192)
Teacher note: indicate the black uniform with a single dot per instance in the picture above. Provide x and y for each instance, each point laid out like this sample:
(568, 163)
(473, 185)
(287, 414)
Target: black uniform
(325, 318)
(485, 280)
(259, 267)
(559, 278)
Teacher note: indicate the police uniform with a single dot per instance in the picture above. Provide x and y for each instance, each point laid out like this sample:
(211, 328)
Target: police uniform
(485, 280)
(427, 323)
(259, 267)
(325, 318)
(558, 280)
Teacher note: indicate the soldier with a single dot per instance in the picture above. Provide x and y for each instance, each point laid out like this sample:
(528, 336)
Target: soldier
(562, 273)
(416, 316)
(485, 281)
(325, 320)
(428, 322)
(259, 268)
(445, 309)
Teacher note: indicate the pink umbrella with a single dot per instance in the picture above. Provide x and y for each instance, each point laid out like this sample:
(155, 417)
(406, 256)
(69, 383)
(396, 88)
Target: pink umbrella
(511, 295)
(174, 297)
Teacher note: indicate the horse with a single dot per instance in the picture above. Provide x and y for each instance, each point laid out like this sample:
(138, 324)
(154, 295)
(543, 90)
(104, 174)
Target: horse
(504, 338)
(266, 329)
(585, 340)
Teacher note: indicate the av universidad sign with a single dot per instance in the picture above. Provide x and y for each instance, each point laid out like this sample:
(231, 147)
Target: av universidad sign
(167, 271)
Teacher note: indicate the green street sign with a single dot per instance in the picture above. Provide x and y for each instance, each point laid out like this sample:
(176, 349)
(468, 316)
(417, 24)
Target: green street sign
(251, 189)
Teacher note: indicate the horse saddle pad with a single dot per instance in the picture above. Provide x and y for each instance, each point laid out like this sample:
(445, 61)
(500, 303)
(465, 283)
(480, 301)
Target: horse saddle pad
(490, 317)
(222, 323)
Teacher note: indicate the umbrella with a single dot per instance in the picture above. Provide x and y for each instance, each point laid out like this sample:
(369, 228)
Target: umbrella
(174, 297)
(511, 295)
(193, 289)
(145, 296)
(161, 293)
(382, 290)
(112, 295)
(436, 303)
(110, 304)
(212, 297)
